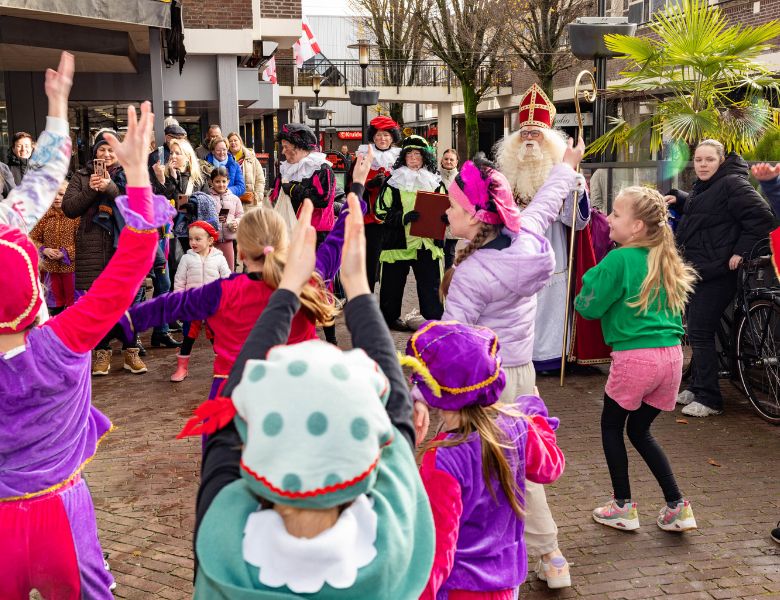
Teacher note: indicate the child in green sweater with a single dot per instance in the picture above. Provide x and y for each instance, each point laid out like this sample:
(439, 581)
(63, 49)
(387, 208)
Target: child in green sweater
(639, 292)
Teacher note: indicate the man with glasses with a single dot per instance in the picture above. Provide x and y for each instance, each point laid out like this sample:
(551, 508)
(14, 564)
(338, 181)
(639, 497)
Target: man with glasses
(174, 131)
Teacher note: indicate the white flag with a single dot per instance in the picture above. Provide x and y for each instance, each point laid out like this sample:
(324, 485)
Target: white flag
(269, 74)
(306, 47)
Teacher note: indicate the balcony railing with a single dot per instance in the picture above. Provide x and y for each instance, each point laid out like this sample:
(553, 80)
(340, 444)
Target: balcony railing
(383, 73)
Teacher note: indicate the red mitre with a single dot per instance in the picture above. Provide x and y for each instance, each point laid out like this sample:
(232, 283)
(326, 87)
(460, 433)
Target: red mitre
(536, 108)
(383, 123)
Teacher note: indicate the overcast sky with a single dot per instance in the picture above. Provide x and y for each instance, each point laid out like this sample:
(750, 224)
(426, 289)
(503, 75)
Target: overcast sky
(326, 7)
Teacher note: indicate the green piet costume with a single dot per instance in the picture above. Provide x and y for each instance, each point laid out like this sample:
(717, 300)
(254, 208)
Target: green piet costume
(398, 197)
(317, 435)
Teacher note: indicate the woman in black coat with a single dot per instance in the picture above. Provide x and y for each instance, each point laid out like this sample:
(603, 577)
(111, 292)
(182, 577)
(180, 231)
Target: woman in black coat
(723, 218)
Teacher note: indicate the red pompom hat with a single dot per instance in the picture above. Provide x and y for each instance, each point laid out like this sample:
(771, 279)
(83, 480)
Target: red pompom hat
(383, 123)
(22, 298)
(536, 108)
(205, 227)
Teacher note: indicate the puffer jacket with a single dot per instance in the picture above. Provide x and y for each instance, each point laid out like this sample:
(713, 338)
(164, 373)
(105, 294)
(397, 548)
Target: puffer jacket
(497, 288)
(195, 271)
(237, 185)
(229, 201)
(254, 177)
(94, 244)
(721, 217)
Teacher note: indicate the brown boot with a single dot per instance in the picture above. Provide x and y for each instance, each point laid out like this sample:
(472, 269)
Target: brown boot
(102, 362)
(133, 362)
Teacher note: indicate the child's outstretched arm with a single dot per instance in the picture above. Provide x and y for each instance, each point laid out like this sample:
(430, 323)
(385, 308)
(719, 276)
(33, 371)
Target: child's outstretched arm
(329, 252)
(48, 165)
(89, 320)
(769, 178)
(544, 461)
(367, 326)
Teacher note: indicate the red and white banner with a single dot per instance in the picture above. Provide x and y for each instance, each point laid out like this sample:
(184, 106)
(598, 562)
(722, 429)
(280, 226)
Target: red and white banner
(350, 135)
(270, 71)
(306, 47)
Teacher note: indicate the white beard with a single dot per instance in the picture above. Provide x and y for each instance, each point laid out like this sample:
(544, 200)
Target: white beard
(527, 168)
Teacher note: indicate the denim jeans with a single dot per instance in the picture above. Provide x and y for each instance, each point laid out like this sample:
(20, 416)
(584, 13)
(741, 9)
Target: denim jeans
(162, 285)
(705, 308)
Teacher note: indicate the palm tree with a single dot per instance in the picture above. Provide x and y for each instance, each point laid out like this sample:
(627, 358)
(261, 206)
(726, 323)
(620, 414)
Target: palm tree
(703, 79)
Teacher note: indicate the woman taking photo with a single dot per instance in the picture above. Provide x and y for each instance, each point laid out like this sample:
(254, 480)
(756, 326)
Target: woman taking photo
(252, 170)
(723, 218)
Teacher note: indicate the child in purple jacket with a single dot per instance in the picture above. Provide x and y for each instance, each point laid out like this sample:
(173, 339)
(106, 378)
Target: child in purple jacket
(475, 473)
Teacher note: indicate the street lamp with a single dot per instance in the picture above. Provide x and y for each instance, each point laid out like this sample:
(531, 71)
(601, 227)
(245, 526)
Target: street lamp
(316, 78)
(331, 129)
(364, 97)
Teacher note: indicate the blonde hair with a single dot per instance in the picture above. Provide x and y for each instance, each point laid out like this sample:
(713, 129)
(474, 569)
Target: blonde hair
(259, 229)
(217, 139)
(719, 149)
(186, 148)
(485, 231)
(665, 267)
(230, 135)
(495, 444)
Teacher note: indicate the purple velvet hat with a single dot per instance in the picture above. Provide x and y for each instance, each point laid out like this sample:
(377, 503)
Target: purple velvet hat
(455, 365)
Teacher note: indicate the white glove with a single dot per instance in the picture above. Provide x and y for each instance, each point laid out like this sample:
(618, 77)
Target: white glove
(579, 184)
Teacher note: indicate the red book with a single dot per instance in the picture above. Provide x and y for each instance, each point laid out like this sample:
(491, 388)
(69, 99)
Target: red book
(431, 207)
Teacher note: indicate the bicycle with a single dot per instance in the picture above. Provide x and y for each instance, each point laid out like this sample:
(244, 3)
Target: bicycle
(750, 340)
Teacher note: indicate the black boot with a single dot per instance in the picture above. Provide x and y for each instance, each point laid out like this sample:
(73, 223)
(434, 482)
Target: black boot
(175, 327)
(141, 349)
(398, 325)
(164, 339)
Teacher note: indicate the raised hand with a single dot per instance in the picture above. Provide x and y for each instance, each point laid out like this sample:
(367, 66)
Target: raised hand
(58, 84)
(300, 256)
(573, 154)
(353, 252)
(363, 166)
(133, 151)
(764, 172)
(422, 421)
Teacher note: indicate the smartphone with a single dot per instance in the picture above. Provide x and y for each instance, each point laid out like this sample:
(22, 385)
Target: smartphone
(224, 212)
(183, 199)
(100, 167)
(161, 154)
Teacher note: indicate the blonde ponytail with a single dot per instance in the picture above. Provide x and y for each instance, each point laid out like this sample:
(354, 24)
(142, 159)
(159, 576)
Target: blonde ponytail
(665, 267)
(262, 229)
(480, 239)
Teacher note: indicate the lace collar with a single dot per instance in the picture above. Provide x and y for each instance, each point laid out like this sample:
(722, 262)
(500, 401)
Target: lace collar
(403, 178)
(383, 159)
(304, 168)
(333, 557)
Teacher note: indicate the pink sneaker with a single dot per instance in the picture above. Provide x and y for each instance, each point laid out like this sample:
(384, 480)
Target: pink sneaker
(612, 515)
(181, 371)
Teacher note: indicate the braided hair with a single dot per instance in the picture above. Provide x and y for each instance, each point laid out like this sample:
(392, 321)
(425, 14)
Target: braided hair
(665, 267)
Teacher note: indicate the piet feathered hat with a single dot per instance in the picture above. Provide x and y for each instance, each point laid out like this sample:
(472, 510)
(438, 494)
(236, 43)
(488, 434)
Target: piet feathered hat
(536, 109)
(22, 299)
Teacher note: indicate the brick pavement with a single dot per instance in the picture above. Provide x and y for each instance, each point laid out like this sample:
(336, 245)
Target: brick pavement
(144, 484)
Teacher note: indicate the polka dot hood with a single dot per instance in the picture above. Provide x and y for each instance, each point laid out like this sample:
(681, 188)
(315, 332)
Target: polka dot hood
(314, 424)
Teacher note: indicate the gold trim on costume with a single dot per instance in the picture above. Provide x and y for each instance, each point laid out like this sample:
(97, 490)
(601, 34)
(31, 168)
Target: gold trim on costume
(140, 230)
(13, 324)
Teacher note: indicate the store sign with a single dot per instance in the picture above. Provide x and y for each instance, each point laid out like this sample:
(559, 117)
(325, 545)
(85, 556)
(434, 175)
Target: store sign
(336, 159)
(262, 157)
(350, 135)
(433, 130)
(570, 119)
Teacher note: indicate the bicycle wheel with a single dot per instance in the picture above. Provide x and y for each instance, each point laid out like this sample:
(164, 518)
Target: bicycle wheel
(760, 374)
(687, 364)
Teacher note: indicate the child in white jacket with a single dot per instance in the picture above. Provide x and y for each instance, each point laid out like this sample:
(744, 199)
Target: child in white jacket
(201, 265)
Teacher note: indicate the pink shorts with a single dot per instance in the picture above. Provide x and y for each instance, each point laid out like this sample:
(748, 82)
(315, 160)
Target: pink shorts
(649, 375)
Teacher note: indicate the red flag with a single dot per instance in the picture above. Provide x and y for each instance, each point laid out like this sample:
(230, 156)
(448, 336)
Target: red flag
(269, 74)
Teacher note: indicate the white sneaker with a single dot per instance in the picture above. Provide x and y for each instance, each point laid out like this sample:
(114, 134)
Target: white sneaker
(697, 409)
(678, 519)
(414, 320)
(555, 573)
(685, 397)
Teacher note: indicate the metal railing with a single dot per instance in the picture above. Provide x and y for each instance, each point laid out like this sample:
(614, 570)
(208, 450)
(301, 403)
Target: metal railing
(383, 73)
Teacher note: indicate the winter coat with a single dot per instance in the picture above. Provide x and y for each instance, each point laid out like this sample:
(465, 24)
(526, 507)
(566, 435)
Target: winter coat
(18, 167)
(772, 190)
(236, 208)
(173, 187)
(237, 185)
(497, 288)
(94, 244)
(7, 179)
(55, 230)
(201, 207)
(195, 271)
(254, 176)
(721, 217)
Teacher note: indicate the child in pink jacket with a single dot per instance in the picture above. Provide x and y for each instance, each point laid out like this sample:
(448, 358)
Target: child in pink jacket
(493, 283)
(478, 509)
(230, 210)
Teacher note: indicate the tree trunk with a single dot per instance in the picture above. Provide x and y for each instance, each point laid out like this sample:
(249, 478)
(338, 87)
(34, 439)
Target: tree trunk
(397, 113)
(546, 83)
(470, 102)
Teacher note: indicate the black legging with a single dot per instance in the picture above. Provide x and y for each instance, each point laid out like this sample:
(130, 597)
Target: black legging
(637, 424)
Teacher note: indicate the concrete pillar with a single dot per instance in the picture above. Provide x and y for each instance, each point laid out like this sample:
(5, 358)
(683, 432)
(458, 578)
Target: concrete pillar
(227, 85)
(158, 108)
(445, 129)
